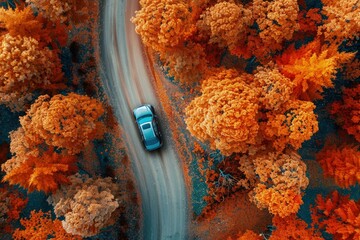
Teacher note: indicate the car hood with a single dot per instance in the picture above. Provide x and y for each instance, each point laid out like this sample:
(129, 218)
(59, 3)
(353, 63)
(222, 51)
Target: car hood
(141, 112)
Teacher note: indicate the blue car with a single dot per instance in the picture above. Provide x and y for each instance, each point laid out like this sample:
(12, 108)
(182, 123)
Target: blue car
(147, 123)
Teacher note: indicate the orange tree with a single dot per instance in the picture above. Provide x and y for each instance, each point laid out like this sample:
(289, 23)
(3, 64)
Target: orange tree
(45, 172)
(337, 215)
(291, 125)
(347, 111)
(281, 182)
(40, 226)
(277, 21)
(226, 112)
(24, 67)
(87, 204)
(341, 163)
(22, 21)
(342, 20)
(67, 122)
(66, 12)
(312, 67)
(292, 227)
(163, 23)
(225, 23)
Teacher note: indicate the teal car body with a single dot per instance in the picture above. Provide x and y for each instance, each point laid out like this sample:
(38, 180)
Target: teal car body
(147, 123)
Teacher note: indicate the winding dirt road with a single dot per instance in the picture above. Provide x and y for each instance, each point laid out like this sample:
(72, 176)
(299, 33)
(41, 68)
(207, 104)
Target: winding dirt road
(127, 82)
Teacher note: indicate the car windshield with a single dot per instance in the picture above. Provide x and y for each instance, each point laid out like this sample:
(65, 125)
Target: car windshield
(146, 126)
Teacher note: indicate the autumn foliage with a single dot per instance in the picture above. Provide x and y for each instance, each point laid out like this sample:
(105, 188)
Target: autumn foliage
(262, 114)
(281, 182)
(259, 109)
(186, 63)
(309, 21)
(20, 147)
(347, 111)
(248, 235)
(284, 120)
(11, 204)
(250, 28)
(43, 173)
(225, 23)
(29, 60)
(226, 112)
(274, 88)
(229, 176)
(292, 227)
(274, 181)
(337, 215)
(312, 67)
(54, 129)
(232, 113)
(163, 23)
(277, 21)
(40, 226)
(87, 204)
(341, 163)
(24, 67)
(167, 27)
(16, 204)
(295, 123)
(342, 22)
(67, 122)
(66, 12)
(23, 22)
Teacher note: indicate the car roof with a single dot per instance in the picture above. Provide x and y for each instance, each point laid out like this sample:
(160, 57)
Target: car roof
(148, 131)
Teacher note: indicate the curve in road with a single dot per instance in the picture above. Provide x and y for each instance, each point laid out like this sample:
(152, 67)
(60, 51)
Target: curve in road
(127, 84)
